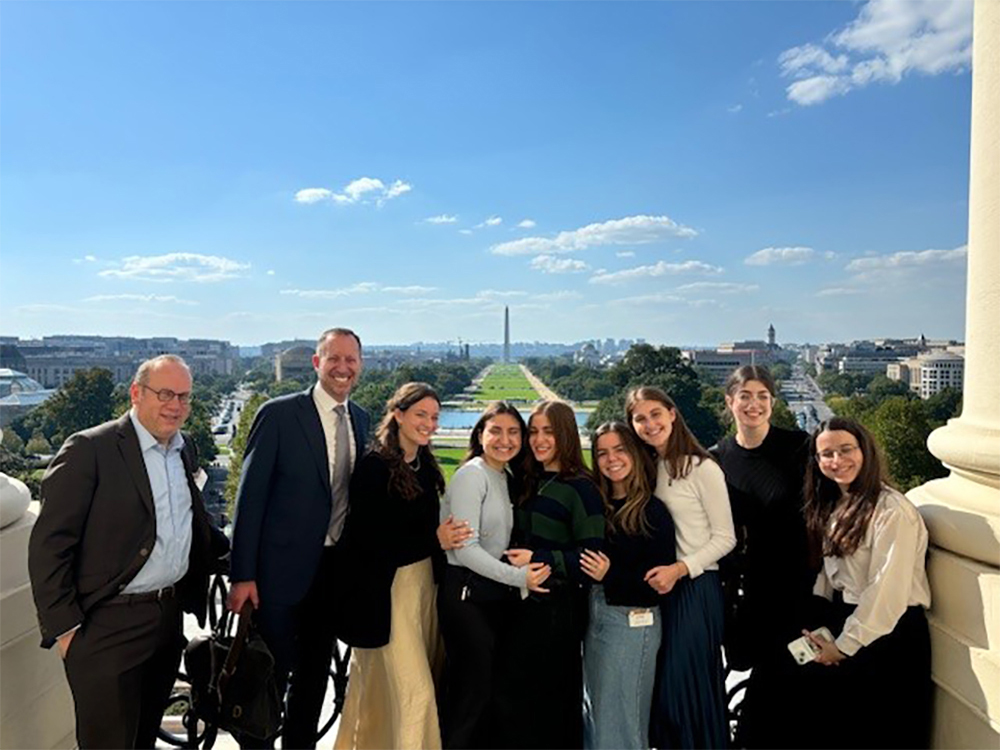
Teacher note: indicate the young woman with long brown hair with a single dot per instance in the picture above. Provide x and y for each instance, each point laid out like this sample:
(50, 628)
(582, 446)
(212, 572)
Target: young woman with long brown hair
(624, 628)
(689, 704)
(386, 560)
(558, 517)
(479, 588)
(875, 676)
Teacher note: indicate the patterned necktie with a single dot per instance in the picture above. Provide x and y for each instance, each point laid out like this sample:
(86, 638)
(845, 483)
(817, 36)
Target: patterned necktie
(341, 474)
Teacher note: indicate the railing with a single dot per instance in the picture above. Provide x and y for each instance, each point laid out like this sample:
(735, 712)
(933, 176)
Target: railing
(198, 733)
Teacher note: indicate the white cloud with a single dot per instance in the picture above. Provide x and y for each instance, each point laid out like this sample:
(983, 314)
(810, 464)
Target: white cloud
(362, 287)
(313, 195)
(734, 109)
(442, 219)
(631, 230)
(465, 231)
(645, 299)
(361, 190)
(726, 287)
(906, 259)
(139, 298)
(90, 258)
(662, 268)
(552, 264)
(177, 267)
(270, 272)
(839, 291)
(786, 255)
(625, 254)
(493, 221)
(497, 293)
(397, 188)
(888, 40)
(527, 224)
(563, 294)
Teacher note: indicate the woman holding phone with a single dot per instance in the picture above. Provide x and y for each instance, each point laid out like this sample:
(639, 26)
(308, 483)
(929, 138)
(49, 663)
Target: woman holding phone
(874, 584)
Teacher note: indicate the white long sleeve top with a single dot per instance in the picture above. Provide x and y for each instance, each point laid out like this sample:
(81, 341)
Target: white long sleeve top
(883, 576)
(699, 505)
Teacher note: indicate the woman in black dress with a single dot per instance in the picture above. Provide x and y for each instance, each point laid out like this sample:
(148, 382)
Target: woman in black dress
(767, 578)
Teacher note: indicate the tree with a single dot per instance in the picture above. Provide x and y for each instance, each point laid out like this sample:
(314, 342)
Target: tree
(901, 426)
(85, 400)
(13, 442)
(881, 388)
(781, 416)
(38, 445)
(238, 446)
(198, 429)
(664, 368)
(944, 405)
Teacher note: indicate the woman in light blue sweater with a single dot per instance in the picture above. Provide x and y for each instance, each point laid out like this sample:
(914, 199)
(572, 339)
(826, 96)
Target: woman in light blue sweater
(479, 587)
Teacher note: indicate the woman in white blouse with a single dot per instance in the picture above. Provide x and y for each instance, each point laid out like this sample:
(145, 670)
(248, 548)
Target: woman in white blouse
(689, 702)
(874, 678)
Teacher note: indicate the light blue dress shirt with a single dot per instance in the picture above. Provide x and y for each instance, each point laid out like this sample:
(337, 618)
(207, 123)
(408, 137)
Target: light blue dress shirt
(168, 561)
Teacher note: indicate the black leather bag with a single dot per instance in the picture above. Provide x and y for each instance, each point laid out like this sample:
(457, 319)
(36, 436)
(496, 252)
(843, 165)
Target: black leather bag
(232, 679)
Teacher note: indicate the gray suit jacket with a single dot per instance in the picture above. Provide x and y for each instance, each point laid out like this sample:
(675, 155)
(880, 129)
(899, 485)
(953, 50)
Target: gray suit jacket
(97, 526)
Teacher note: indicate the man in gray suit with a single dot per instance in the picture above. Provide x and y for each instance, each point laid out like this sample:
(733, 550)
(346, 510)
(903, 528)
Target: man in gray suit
(121, 546)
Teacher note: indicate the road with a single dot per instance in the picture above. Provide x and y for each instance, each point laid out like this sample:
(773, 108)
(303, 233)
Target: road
(540, 388)
(805, 399)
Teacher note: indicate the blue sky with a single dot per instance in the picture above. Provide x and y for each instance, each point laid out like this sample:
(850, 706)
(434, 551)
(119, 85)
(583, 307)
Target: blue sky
(686, 172)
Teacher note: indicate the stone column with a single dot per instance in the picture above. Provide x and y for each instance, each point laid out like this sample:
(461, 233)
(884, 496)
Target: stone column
(962, 511)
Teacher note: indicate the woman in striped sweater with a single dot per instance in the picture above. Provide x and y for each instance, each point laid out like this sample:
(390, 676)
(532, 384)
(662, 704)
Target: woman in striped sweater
(560, 514)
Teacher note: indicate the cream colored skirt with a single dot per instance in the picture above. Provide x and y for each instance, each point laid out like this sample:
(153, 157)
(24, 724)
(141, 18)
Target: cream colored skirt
(390, 694)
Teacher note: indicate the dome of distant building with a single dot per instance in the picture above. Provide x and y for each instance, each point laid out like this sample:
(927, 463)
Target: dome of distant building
(19, 394)
(293, 363)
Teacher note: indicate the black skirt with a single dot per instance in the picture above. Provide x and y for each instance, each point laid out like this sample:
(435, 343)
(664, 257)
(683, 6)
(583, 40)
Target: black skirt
(880, 697)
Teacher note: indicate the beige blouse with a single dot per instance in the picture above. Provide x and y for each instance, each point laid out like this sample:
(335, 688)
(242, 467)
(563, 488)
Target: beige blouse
(884, 576)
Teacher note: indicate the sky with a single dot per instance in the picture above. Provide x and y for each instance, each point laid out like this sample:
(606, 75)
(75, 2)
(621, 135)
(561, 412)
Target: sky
(684, 172)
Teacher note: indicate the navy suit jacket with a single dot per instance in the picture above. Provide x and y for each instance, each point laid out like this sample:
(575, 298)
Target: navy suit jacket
(283, 503)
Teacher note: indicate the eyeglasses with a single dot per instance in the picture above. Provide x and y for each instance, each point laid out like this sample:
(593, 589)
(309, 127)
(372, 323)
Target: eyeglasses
(165, 395)
(844, 451)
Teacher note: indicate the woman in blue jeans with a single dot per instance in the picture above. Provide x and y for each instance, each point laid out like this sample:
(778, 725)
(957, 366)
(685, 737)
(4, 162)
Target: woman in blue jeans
(624, 633)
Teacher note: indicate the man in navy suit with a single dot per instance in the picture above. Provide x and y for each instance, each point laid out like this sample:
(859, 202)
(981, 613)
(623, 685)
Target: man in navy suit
(290, 511)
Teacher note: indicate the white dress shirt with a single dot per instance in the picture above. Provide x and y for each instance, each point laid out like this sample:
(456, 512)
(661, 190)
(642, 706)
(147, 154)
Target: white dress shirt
(884, 576)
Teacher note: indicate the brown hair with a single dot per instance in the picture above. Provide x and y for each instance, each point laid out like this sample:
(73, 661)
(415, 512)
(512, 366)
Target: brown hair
(402, 479)
(321, 342)
(569, 452)
(743, 375)
(682, 446)
(630, 519)
(822, 495)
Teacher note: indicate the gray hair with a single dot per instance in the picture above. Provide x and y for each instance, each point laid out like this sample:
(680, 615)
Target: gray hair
(142, 374)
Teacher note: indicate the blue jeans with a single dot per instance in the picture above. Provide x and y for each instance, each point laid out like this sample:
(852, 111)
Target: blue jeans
(619, 668)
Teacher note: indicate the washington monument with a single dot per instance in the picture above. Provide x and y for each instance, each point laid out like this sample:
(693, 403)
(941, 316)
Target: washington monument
(506, 335)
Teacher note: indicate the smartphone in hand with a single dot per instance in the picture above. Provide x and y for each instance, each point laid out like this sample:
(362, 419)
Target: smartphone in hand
(803, 650)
